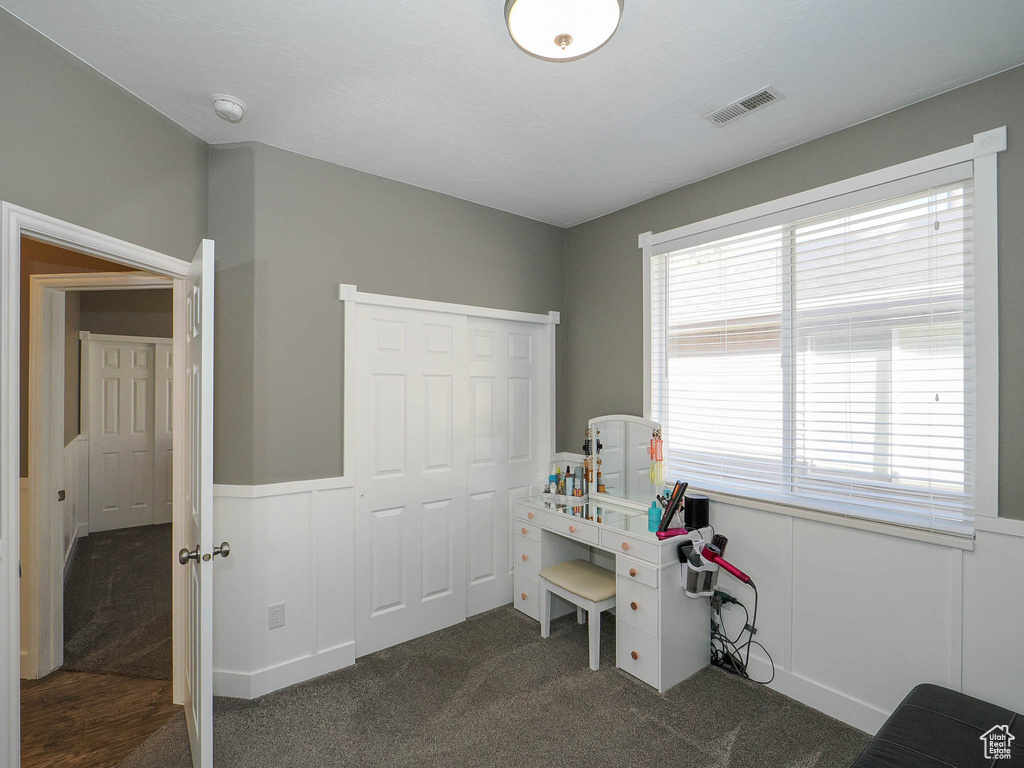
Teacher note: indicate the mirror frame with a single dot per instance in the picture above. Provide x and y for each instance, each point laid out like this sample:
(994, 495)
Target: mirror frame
(607, 497)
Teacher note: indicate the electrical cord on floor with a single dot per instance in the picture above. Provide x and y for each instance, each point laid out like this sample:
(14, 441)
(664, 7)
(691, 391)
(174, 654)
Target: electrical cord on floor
(728, 653)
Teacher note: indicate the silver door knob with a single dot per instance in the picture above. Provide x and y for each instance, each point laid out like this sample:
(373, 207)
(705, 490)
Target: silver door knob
(184, 555)
(223, 550)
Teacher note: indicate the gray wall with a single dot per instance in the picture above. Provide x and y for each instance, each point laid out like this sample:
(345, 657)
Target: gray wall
(78, 147)
(145, 312)
(232, 227)
(605, 265)
(75, 146)
(316, 225)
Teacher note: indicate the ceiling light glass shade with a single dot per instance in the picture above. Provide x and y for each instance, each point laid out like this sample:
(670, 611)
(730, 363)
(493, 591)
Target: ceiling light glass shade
(562, 30)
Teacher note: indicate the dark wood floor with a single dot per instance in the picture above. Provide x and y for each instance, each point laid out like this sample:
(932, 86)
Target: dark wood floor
(84, 720)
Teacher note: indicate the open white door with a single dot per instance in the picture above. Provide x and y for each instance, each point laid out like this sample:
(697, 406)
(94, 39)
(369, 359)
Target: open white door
(198, 491)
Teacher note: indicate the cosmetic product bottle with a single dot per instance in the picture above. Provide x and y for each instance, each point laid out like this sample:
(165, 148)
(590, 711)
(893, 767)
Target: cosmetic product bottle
(653, 516)
(568, 484)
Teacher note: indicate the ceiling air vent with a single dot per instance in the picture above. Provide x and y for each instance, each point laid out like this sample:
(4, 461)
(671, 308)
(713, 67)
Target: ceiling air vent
(744, 106)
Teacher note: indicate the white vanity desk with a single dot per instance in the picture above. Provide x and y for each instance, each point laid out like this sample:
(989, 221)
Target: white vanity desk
(661, 635)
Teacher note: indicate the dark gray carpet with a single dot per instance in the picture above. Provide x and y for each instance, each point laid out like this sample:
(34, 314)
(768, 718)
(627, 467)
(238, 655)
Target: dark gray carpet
(117, 604)
(490, 692)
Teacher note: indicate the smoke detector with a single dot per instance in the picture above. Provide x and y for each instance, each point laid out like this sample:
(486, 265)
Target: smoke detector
(746, 105)
(229, 108)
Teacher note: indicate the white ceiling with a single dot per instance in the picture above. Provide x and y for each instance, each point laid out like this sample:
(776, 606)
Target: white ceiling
(434, 93)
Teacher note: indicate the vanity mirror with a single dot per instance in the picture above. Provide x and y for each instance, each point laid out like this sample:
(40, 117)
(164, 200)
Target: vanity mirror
(623, 452)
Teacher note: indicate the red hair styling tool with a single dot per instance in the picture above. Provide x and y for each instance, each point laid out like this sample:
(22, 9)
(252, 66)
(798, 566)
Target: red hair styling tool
(713, 554)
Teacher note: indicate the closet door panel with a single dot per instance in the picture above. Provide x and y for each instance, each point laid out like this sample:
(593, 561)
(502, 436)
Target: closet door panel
(410, 475)
(510, 423)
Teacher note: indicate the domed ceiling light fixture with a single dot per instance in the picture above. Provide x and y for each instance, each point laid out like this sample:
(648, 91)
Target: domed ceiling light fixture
(562, 30)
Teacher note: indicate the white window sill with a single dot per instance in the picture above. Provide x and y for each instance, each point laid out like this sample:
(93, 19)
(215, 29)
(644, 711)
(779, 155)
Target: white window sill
(888, 529)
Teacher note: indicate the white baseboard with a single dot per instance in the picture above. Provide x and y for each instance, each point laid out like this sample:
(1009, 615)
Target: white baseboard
(26, 673)
(820, 697)
(250, 685)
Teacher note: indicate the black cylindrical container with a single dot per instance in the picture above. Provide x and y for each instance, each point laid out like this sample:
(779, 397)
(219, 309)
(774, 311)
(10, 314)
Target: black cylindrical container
(695, 511)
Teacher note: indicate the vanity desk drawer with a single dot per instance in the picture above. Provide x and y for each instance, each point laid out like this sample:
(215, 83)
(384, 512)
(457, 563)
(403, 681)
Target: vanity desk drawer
(526, 513)
(623, 544)
(527, 557)
(526, 595)
(573, 528)
(527, 529)
(634, 570)
(637, 604)
(636, 652)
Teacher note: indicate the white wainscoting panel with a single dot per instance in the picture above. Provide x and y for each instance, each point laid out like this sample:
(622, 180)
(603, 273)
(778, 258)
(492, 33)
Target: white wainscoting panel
(293, 548)
(993, 610)
(854, 619)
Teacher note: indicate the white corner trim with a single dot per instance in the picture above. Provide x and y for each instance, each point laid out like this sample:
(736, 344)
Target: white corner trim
(349, 293)
(251, 685)
(990, 142)
(221, 490)
(1004, 526)
(47, 229)
(644, 240)
(130, 339)
(829, 518)
(914, 167)
(555, 317)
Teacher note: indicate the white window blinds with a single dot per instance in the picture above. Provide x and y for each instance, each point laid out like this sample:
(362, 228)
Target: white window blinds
(828, 361)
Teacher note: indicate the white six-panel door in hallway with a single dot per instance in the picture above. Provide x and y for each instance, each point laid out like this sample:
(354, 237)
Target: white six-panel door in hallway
(129, 427)
(454, 420)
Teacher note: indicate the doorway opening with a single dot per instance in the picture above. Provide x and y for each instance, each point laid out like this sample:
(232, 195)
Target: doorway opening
(96, 608)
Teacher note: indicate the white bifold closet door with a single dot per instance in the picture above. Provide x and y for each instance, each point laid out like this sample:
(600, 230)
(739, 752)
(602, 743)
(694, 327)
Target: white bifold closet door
(454, 423)
(510, 414)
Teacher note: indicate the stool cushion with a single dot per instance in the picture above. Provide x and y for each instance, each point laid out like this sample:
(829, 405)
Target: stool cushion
(583, 578)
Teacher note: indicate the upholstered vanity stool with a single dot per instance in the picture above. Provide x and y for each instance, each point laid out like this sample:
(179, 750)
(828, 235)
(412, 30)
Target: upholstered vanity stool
(587, 586)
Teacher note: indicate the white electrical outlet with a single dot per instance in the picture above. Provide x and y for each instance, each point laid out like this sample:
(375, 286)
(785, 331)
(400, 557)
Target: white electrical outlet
(276, 615)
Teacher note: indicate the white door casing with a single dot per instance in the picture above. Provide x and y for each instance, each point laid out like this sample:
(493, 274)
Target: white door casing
(411, 475)
(197, 329)
(121, 434)
(508, 364)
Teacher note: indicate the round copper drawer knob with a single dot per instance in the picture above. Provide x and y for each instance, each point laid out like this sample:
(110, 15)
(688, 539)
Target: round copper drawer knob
(530, 515)
(525, 558)
(523, 596)
(524, 531)
(633, 606)
(572, 529)
(632, 572)
(635, 655)
(625, 546)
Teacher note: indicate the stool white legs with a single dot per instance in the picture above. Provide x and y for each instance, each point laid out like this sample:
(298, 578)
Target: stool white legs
(592, 609)
(545, 609)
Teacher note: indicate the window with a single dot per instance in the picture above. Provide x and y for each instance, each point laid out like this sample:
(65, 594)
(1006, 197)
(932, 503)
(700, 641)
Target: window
(826, 359)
